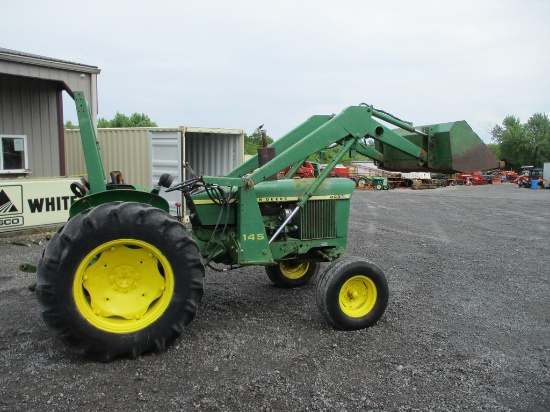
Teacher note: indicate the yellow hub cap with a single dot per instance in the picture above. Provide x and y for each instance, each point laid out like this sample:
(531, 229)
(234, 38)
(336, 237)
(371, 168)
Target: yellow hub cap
(357, 296)
(293, 270)
(123, 285)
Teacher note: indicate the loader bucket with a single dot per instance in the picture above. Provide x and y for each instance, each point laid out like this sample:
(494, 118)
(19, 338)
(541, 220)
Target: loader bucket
(451, 147)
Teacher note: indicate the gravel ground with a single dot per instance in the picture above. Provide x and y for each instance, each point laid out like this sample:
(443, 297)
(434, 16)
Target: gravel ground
(467, 326)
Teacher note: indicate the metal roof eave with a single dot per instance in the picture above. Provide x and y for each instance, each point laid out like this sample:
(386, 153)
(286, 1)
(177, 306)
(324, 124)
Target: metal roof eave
(45, 62)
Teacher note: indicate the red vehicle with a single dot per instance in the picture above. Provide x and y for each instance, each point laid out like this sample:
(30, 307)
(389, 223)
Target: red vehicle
(477, 178)
(464, 179)
(510, 175)
(522, 181)
(528, 175)
(474, 178)
(340, 171)
(312, 169)
(305, 171)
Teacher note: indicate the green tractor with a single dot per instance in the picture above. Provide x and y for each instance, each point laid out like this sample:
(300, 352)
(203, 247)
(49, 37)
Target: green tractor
(123, 277)
(373, 182)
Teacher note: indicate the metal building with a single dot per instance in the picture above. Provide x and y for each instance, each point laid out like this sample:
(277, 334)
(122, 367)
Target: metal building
(31, 111)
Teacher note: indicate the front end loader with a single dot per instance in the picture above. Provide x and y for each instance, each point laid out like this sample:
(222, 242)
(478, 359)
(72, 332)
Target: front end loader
(123, 277)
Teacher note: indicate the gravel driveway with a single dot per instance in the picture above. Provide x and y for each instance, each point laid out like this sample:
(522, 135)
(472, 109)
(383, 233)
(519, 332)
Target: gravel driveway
(467, 326)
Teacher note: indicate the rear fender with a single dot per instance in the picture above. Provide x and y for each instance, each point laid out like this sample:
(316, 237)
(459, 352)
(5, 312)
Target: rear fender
(118, 195)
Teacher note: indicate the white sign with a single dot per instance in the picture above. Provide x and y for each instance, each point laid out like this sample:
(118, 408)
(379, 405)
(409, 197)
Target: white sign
(18, 145)
(34, 202)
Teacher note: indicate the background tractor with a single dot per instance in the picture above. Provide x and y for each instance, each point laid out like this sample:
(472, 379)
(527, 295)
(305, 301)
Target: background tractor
(123, 277)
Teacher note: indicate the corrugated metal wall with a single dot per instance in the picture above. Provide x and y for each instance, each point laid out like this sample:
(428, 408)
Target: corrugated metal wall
(65, 75)
(126, 150)
(30, 107)
(213, 152)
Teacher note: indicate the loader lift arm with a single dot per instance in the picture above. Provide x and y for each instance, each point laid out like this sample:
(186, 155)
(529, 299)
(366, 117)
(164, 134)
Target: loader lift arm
(318, 132)
(447, 148)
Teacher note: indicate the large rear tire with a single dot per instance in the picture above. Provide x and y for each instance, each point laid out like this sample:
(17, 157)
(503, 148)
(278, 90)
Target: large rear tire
(120, 279)
(291, 274)
(352, 293)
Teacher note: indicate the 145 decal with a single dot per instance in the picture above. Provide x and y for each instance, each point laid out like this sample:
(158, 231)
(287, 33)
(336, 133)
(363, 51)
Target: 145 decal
(254, 236)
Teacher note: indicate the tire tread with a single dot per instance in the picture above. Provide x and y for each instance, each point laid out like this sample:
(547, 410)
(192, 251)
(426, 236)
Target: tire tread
(328, 305)
(56, 269)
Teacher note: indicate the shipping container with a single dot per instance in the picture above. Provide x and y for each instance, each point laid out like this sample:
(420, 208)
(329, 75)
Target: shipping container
(144, 154)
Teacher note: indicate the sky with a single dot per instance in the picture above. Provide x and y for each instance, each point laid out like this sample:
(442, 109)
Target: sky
(242, 63)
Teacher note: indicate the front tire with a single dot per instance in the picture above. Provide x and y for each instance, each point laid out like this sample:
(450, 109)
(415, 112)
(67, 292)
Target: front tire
(291, 274)
(120, 279)
(352, 293)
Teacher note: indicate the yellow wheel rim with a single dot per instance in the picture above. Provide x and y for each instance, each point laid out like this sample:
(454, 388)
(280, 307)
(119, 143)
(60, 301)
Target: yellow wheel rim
(123, 285)
(358, 296)
(294, 270)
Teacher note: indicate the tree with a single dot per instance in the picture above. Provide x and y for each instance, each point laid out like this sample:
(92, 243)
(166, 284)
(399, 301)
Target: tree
(120, 120)
(70, 125)
(495, 148)
(523, 144)
(252, 142)
(538, 132)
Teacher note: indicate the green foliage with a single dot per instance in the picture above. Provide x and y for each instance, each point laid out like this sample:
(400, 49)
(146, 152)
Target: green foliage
(523, 144)
(252, 142)
(121, 120)
(70, 125)
(495, 148)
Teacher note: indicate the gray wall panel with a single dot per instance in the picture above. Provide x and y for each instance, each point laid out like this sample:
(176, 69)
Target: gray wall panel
(213, 153)
(29, 107)
(30, 90)
(125, 150)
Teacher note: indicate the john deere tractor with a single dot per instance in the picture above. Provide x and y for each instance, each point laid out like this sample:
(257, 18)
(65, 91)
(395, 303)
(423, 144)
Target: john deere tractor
(124, 277)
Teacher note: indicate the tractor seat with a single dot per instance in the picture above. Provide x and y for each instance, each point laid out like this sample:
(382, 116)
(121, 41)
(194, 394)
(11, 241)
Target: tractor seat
(117, 182)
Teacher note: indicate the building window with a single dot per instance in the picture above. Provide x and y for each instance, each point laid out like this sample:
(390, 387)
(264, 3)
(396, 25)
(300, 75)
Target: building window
(14, 157)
